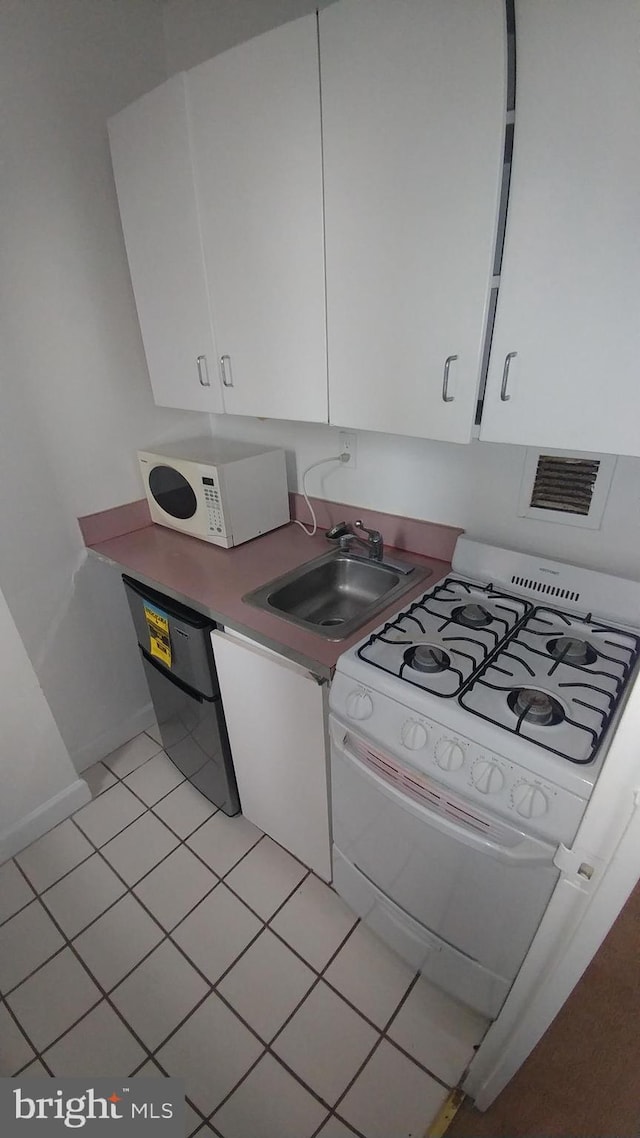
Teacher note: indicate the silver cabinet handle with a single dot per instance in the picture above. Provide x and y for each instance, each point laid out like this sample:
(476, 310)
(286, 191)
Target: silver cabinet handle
(225, 368)
(446, 398)
(505, 376)
(203, 371)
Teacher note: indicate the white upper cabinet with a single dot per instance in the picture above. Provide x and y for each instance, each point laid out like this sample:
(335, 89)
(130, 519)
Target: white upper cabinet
(255, 121)
(154, 178)
(414, 98)
(568, 316)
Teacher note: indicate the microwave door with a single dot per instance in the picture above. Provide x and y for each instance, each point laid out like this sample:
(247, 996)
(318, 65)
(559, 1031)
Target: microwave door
(172, 492)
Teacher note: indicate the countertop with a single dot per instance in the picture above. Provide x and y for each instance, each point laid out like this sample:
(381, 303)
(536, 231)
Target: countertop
(214, 580)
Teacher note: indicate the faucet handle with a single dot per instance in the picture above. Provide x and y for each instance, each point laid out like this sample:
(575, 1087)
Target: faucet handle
(375, 542)
(340, 529)
(373, 533)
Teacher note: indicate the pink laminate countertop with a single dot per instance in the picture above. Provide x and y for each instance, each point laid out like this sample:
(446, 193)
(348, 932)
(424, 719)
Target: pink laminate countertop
(214, 580)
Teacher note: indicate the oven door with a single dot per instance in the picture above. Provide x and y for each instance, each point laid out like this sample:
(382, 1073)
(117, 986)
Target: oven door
(482, 893)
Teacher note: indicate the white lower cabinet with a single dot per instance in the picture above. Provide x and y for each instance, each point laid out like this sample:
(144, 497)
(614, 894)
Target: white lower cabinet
(275, 713)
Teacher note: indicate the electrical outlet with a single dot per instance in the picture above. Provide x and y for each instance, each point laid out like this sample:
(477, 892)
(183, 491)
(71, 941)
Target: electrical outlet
(349, 445)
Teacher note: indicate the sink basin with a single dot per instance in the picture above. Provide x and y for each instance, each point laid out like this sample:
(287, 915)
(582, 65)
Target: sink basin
(337, 593)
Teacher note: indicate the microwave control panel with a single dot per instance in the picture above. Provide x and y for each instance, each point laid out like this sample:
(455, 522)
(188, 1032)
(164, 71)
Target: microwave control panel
(215, 519)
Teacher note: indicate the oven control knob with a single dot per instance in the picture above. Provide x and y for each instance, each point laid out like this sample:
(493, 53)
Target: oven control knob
(359, 705)
(449, 755)
(487, 776)
(529, 801)
(413, 735)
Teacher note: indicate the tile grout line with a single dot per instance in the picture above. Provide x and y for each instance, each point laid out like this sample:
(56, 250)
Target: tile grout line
(167, 936)
(184, 842)
(149, 1054)
(377, 1044)
(268, 1046)
(71, 818)
(188, 1102)
(319, 974)
(136, 768)
(385, 1037)
(17, 912)
(267, 924)
(321, 977)
(381, 1033)
(213, 988)
(47, 960)
(36, 1053)
(213, 985)
(104, 996)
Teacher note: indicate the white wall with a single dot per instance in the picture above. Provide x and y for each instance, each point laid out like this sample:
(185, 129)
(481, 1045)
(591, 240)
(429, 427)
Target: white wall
(39, 781)
(475, 486)
(75, 400)
(197, 29)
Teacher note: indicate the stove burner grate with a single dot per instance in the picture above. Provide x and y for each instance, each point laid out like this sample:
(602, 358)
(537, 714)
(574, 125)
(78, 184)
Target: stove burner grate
(536, 707)
(463, 620)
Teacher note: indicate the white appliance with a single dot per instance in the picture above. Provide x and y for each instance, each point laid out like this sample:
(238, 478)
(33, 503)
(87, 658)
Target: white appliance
(467, 734)
(220, 491)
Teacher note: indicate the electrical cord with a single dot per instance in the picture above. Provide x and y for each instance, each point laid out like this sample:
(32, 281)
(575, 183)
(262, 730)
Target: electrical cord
(344, 457)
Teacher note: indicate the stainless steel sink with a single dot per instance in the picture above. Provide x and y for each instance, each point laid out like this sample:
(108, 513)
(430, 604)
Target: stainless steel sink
(337, 593)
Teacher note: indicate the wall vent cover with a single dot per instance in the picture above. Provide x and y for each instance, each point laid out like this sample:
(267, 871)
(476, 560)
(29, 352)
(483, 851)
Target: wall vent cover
(569, 488)
(564, 484)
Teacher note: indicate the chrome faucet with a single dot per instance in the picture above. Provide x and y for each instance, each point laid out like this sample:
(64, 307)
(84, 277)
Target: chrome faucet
(373, 543)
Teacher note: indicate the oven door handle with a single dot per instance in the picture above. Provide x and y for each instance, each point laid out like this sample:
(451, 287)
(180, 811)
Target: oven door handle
(528, 851)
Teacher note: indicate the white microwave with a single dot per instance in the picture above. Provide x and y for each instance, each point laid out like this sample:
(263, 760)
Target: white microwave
(220, 491)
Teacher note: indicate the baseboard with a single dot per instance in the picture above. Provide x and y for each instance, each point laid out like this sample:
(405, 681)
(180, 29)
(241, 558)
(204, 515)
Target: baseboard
(44, 818)
(120, 733)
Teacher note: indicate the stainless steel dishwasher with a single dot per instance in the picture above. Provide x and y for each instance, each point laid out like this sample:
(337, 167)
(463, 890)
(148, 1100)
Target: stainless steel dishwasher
(175, 645)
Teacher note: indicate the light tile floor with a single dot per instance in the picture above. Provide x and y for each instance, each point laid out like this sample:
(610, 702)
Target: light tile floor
(151, 934)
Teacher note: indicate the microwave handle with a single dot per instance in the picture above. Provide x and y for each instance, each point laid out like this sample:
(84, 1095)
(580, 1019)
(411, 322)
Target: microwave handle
(530, 851)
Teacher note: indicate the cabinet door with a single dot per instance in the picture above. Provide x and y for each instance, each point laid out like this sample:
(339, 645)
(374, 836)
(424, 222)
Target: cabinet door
(275, 718)
(153, 171)
(255, 117)
(568, 301)
(413, 105)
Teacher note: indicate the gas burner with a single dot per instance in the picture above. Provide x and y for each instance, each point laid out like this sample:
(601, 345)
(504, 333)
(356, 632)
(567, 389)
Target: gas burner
(536, 707)
(427, 658)
(572, 650)
(473, 616)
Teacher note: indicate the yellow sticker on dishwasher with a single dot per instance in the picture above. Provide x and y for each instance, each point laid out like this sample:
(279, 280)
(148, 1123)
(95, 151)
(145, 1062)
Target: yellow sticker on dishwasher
(159, 642)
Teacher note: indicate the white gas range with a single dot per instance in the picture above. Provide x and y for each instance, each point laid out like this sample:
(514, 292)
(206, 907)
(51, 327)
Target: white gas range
(467, 734)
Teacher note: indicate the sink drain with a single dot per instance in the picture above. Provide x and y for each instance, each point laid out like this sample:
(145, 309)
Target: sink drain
(331, 621)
